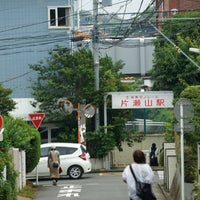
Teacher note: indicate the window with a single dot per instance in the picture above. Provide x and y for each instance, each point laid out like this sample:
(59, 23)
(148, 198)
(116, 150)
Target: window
(59, 17)
(45, 152)
(66, 150)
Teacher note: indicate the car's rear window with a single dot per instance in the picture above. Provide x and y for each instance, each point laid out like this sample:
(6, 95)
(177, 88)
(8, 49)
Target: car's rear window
(66, 150)
(45, 151)
(62, 150)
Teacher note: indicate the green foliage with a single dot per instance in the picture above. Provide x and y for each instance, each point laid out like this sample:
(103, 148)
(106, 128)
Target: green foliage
(6, 103)
(171, 69)
(161, 158)
(193, 94)
(190, 164)
(169, 132)
(99, 143)
(191, 138)
(17, 133)
(71, 76)
(29, 190)
(8, 190)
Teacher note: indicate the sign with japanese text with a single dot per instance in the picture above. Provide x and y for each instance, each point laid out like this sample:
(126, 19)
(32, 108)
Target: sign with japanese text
(37, 118)
(148, 99)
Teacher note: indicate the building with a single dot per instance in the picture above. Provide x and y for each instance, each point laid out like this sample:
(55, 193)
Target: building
(29, 30)
(32, 28)
(170, 7)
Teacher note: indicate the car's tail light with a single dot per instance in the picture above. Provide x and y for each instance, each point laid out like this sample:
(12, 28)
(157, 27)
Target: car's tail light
(83, 156)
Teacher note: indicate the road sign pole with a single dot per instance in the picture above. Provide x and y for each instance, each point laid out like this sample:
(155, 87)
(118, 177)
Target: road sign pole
(79, 123)
(198, 151)
(182, 152)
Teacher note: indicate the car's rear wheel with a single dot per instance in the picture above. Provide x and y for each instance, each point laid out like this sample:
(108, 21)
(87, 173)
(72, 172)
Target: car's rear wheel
(75, 172)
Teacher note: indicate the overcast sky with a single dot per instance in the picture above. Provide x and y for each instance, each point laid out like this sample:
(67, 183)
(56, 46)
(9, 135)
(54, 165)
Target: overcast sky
(118, 6)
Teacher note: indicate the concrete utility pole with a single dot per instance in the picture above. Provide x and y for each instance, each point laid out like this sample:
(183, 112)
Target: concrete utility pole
(95, 47)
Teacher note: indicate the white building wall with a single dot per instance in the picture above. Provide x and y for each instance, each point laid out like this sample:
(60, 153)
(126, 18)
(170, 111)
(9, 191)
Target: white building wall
(136, 53)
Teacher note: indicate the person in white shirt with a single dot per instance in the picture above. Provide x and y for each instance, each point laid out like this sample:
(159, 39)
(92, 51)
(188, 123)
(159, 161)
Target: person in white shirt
(142, 171)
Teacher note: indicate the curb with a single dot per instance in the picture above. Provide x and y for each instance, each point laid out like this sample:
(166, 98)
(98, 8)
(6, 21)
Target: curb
(121, 169)
(23, 198)
(166, 194)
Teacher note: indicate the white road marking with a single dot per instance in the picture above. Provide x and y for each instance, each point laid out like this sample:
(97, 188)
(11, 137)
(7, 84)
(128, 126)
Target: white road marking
(70, 191)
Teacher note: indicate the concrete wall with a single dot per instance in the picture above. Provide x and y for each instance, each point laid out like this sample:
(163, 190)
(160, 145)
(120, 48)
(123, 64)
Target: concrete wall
(120, 159)
(123, 158)
(19, 161)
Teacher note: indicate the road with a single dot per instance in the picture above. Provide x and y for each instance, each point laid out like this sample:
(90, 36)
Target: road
(92, 186)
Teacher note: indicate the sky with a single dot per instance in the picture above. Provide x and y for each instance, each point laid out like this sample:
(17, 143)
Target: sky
(118, 6)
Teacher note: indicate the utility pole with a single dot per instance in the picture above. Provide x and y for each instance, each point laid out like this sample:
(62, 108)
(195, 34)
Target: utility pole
(95, 47)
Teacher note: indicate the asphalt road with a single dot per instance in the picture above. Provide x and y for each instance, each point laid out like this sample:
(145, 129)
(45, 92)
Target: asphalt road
(91, 186)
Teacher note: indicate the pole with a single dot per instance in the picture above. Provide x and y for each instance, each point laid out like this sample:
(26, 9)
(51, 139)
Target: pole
(107, 160)
(198, 151)
(95, 47)
(145, 125)
(182, 152)
(79, 122)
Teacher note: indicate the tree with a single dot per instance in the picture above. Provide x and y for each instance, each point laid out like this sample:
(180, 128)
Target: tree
(171, 69)
(68, 75)
(192, 137)
(6, 103)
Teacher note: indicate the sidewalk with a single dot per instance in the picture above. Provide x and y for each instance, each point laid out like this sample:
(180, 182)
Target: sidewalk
(22, 198)
(160, 193)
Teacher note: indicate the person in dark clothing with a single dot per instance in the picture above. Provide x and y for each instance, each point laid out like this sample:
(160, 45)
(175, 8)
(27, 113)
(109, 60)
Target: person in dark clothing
(154, 155)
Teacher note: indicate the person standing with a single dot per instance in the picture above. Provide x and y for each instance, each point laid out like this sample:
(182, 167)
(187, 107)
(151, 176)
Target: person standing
(53, 164)
(154, 155)
(142, 171)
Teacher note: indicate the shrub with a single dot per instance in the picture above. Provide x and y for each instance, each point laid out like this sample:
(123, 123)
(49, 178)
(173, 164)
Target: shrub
(18, 134)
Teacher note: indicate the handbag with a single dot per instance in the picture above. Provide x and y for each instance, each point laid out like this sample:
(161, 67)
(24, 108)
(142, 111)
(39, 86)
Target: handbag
(60, 170)
(55, 165)
(143, 190)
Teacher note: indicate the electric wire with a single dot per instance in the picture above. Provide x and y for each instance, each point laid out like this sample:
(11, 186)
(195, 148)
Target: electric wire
(49, 41)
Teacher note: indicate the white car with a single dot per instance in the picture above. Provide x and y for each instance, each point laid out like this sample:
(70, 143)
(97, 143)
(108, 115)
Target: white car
(74, 160)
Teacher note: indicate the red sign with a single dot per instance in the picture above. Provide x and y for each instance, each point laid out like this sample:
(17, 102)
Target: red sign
(1, 121)
(37, 118)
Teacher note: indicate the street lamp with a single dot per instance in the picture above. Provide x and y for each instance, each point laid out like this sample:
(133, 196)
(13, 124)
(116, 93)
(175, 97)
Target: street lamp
(195, 50)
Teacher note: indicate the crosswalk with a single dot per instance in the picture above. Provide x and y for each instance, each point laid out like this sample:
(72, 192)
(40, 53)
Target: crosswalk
(70, 191)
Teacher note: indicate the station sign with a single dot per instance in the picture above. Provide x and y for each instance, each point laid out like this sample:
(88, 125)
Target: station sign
(147, 99)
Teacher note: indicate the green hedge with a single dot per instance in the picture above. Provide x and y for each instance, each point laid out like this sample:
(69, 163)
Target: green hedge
(17, 133)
